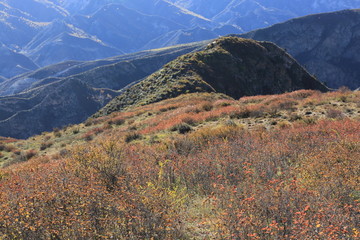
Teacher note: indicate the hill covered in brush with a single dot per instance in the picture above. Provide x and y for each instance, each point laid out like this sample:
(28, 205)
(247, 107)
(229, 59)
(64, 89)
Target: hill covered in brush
(287, 165)
(234, 66)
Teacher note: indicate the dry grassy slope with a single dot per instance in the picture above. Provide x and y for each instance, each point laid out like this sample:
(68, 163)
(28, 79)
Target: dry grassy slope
(230, 65)
(189, 163)
(196, 113)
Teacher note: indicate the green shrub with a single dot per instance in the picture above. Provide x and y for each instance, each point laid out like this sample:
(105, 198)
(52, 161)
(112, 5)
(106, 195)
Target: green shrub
(88, 122)
(168, 108)
(207, 107)
(57, 134)
(242, 113)
(9, 148)
(189, 120)
(45, 145)
(295, 117)
(211, 118)
(224, 104)
(76, 130)
(88, 136)
(309, 120)
(117, 121)
(30, 154)
(182, 128)
(132, 137)
(334, 113)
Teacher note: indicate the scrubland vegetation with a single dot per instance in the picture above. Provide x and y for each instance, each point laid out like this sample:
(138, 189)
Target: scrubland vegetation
(200, 166)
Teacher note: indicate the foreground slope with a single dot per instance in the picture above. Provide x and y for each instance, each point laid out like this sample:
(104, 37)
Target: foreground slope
(233, 66)
(287, 165)
(327, 44)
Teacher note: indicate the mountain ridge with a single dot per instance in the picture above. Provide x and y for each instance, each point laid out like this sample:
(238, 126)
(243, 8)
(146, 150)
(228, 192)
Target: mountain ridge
(41, 116)
(230, 65)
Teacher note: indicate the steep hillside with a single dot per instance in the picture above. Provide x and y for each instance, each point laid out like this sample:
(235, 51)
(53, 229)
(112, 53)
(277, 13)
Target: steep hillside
(52, 31)
(37, 11)
(13, 63)
(60, 41)
(252, 14)
(185, 36)
(125, 28)
(54, 105)
(166, 9)
(231, 65)
(207, 8)
(16, 30)
(84, 7)
(326, 44)
(306, 7)
(25, 81)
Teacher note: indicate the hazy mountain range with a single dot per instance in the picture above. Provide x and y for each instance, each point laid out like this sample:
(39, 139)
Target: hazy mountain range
(47, 32)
